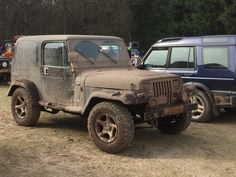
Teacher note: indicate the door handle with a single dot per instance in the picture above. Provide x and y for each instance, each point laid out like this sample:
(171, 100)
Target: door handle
(45, 71)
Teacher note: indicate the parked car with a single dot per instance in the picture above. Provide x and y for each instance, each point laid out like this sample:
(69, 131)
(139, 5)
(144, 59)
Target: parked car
(6, 54)
(92, 76)
(208, 62)
(5, 68)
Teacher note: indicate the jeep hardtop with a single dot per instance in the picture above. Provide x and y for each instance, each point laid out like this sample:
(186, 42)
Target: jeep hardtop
(92, 76)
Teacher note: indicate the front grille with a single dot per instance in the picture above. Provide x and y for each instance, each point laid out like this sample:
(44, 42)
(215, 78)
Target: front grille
(163, 88)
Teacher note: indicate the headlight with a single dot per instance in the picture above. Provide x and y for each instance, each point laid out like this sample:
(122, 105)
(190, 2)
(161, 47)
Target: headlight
(176, 84)
(4, 64)
(153, 102)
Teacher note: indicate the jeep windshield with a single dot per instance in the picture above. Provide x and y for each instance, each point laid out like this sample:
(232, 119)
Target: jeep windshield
(100, 52)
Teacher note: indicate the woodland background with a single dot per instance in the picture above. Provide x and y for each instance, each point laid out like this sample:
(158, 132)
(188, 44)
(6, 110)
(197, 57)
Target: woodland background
(143, 20)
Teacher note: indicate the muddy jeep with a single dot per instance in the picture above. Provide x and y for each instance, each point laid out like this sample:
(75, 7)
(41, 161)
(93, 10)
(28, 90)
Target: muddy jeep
(92, 76)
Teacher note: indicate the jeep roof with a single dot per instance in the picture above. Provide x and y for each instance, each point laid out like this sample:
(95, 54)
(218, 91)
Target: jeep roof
(43, 38)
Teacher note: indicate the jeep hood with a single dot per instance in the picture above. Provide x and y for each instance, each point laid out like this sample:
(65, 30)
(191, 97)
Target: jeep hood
(121, 79)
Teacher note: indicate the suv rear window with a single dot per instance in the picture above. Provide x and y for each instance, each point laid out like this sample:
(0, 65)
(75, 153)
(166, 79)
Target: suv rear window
(215, 57)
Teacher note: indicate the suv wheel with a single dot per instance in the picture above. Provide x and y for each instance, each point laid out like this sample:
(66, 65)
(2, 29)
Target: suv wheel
(204, 111)
(111, 127)
(174, 125)
(24, 111)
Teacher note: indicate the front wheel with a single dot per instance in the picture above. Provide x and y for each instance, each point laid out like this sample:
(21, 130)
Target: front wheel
(111, 127)
(174, 124)
(23, 107)
(204, 112)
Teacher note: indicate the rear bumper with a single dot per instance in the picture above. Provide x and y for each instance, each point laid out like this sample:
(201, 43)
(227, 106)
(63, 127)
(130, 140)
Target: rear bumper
(225, 99)
(168, 110)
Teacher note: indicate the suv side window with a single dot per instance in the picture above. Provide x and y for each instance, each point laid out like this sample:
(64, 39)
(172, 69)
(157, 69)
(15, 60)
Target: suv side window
(157, 58)
(182, 57)
(54, 54)
(215, 57)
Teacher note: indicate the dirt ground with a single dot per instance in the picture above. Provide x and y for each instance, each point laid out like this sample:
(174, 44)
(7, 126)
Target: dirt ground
(60, 146)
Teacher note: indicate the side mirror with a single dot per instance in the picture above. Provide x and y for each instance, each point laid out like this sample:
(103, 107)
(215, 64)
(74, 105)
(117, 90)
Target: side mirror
(141, 66)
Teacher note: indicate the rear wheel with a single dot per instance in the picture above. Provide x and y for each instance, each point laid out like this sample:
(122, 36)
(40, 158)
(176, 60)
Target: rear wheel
(111, 127)
(24, 111)
(204, 112)
(174, 124)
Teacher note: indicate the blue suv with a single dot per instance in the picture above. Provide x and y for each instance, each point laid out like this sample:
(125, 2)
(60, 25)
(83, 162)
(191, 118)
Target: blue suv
(208, 62)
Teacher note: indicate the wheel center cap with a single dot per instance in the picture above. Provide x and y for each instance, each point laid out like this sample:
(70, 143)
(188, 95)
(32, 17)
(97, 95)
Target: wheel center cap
(106, 127)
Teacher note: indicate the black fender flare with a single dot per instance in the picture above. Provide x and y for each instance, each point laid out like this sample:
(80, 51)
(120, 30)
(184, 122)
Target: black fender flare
(125, 98)
(28, 86)
(204, 88)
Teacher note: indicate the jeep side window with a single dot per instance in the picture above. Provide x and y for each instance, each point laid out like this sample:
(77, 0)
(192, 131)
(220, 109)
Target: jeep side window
(54, 54)
(215, 57)
(182, 57)
(157, 58)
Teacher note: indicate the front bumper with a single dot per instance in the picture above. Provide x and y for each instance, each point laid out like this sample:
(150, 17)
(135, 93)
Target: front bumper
(169, 110)
(5, 71)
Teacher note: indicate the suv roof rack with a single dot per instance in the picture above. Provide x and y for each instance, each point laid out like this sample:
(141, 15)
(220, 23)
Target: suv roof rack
(170, 39)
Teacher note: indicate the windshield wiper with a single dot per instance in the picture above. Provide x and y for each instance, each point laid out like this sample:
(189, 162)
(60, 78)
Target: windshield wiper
(89, 59)
(108, 56)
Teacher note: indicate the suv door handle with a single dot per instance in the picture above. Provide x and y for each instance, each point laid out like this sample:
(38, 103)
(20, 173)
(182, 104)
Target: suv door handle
(45, 71)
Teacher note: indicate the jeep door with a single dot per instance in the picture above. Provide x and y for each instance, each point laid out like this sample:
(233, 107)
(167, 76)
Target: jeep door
(56, 77)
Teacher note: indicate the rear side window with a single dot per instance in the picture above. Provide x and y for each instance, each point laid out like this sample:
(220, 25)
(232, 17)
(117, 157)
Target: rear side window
(215, 57)
(26, 54)
(157, 58)
(182, 57)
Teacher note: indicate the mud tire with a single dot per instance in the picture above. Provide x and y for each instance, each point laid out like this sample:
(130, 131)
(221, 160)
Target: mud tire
(174, 125)
(24, 109)
(106, 116)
